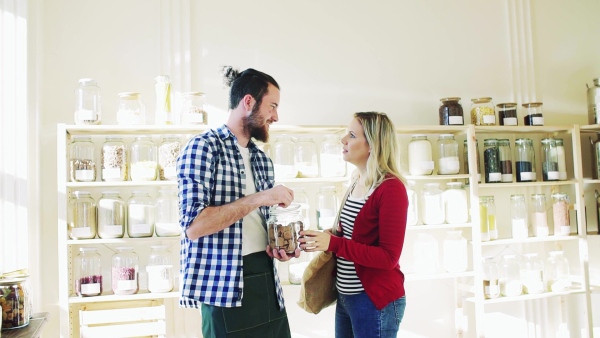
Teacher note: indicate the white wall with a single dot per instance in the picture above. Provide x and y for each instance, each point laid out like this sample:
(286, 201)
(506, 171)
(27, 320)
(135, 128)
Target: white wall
(331, 58)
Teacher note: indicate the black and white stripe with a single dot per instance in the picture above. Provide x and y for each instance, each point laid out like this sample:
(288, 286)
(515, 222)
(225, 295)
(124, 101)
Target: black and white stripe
(347, 280)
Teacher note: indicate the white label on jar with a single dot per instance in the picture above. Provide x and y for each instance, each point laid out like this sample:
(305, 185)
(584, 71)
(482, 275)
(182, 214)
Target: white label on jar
(454, 120)
(553, 175)
(478, 177)
(510, 121)
(167, 229)
(170, 171)
(111, 173)
(495, 177)
(519, 229)
(84, 175)
(542, 231)
(565, 230)
(537, 121)
(140, 228)
(449, 165)
(81, 232)
(427, 165)
(562, 175)
(112, 229)
(90, 289)
(124, 285)
(489, 119)
(491, 290)
(507, 177)
(86, 115)
(527, 176)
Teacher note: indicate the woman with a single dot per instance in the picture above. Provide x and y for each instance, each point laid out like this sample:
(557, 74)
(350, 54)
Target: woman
(370, 233)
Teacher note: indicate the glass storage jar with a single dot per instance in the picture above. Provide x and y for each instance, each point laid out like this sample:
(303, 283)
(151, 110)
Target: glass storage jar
(595, 158)
(426, 254)
(144, 159)
(539, 217)
(456, 205)
(557, 272)
(82, 216)
(510, 276)
(455, 252)
(412, 215)
(491, 161)
(420, 158)
(593, 100)
(482, 112)
(332, 161)
(560, 214)
(491, 285)
(549, 160)
(283, 227)
(162, 90)
(466, 159)
(518, 216)
(283, 157)
(114, 160)
(327, 207)
(524, 160)
(168, 152)
(505, 161)
(88, 272)
(507, 114)
(448, 162)
(491, 216)
(140, 215)
(532, 272)
(562, 160)
(306, 157)
(167, 213)
(16, 302)
(483, 219)
(111, 215)
(533, 114)
(192, 108)
(125, 269)
(451, 111)
(82, 160)
(432, 204)
(160, 269)
(300, 197)
(130, 109)
(88, 103)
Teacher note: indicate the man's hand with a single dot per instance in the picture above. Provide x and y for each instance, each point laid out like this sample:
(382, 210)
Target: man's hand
(281, 255)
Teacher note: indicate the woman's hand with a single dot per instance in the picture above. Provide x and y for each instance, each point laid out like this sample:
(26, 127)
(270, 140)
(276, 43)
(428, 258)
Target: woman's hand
(281, 255)
(311, 240)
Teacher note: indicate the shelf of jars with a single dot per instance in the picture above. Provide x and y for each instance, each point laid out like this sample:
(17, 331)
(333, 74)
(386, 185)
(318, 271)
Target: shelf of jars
(124, 240)
(510, 241)
(423, 227)
(574, 290)
(420, 277)
(123, 184)
(110, 297)
(121, 130)
(457, 129)
(523, 129)
(525, 184)
(436, 177)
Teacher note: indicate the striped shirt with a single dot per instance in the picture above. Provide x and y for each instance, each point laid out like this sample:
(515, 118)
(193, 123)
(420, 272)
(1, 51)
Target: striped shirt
(347, 281)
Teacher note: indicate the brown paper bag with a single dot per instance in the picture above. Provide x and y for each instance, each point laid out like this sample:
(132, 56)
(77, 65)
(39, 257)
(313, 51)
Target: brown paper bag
(317, 290)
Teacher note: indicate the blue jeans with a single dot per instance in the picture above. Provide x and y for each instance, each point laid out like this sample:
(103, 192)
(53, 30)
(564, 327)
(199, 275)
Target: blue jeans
(357, 317)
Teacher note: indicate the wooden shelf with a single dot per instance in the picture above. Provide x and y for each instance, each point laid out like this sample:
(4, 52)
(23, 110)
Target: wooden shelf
(121, 184)
(431, 129)
(522, 129)
(437, 226)
(124, 240)
(550, 238)
(525, 184)
(529, 297)
(109, 297)
(436, 177)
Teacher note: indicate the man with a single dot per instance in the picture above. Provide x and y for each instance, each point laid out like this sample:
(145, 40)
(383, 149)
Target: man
(226, 186)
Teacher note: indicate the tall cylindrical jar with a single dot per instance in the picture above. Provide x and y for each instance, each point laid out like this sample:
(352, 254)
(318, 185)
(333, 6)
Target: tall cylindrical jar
(82, 160)
(88, 103)
(327, 207)
(510, 276)
(524, 160)
(162, 88)
(125, 269)
(168, 152)
(307, 161)
(456, 205)
(455, 252)
(412, 215)
(491, 215)
(557, 272)
(82, 216)
(482, 112)
(539, 217)
(560, 214)
(518, 216)
(491, 285)
(593, 101)
(562, 160)
(130, 109)
(284, 162)
(550, 170)
(167, 213)
(466, 159)
(533, 114)
(160, 269)
(140, 215)
(283, 227)
(491, 161)
(484, 225)
(114, 160)
(426, 254)
(111, 215)
(144, 159)
(505, 161)
(532, 273)
(88, 272)
(420, 158)
(432, 204)
(451, 112)
(507, 114)
(332, 163)
(192, 108)
(448, 162)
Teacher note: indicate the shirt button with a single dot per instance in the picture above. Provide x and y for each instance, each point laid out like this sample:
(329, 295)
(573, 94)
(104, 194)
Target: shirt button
(243, 172)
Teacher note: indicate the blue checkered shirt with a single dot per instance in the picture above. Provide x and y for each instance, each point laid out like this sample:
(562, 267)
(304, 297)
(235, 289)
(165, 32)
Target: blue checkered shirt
(211, 173)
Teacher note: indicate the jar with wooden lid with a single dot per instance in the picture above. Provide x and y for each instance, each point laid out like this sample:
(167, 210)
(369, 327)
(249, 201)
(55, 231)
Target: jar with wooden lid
(507, 114)
(533, 114)
(482, 112)
(451, 111)
(192, 108)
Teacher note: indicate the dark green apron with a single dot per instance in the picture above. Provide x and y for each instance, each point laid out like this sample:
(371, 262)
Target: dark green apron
(259, 315)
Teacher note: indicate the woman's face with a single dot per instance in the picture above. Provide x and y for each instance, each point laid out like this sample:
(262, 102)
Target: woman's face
(356, 147)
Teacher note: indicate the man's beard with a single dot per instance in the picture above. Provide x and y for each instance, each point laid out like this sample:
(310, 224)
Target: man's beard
(256, 127)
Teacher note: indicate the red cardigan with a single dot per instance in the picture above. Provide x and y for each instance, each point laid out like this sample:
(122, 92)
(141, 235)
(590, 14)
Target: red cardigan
(377, 241)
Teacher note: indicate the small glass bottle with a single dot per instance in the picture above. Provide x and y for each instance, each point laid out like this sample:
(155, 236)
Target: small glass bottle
(114, 160)
(483, 219)
(124, 272)
(283, 228)
(451, 112)
(167, 213)
(162, 89)
(518, 216)
(192, 109)
(412, 216)
(510, 276)
(82, 216)
(82, 160)
(466, 159)
(491, 161)
(491, 285)
(160, 269)
(332, 162)
(482, 112)
(140, 215)
(539, 217)
(432, 204)
(420, 158)
(505, 161)
(557, 272)
(111, 215)
(491, 214)
(130, 109)
(525, 160)
(448, 162)
(168, 152)
(284, 162)
(144, 159)
(560, 214)
(455, 252)
(532, 271)
(88, 272)
(562, 160)
(550, 170)
(426, 254)
(533, 114)
(507, 114)
(306, 157)
(327, 207)
(456, 205)
(88, 103)
(300, 197)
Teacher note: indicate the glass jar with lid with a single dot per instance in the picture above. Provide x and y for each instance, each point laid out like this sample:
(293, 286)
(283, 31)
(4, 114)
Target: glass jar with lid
(300, 197)
(88, 103)
(82, 160)
(532, 272)
(562, 160)
(491, 161)
(162, 90)
(482, 112)
(593, 100)
(451, 111)
(327, 207)
(412, 215)
(130, 109)
(168, 152)
(557, 272)
(518, 216)
(114, 160)
(455, 199)
(167, 213)
(549, 160)
(560, 214)
(448, 162)
(505, 161)
(16, 300)
(140, 215)
(491, 286)
(539, 217)
(510, 276)
(284, 162)
(484, 225)
(160, 269)
(283, 227)
(426, 256)
(306, 159)
(144, 159)
(455, 252)
(466, 159)
(332, 161)
(82, 216)
(432, 204)
(420, 158)
(524, 160)
(507, 114)
(192, 108)
(491, 216)
(124, 272)
(111, 215)
(88, 272)
(533, 114)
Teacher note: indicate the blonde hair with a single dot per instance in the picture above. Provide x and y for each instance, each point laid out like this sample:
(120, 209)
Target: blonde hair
(381, 136)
